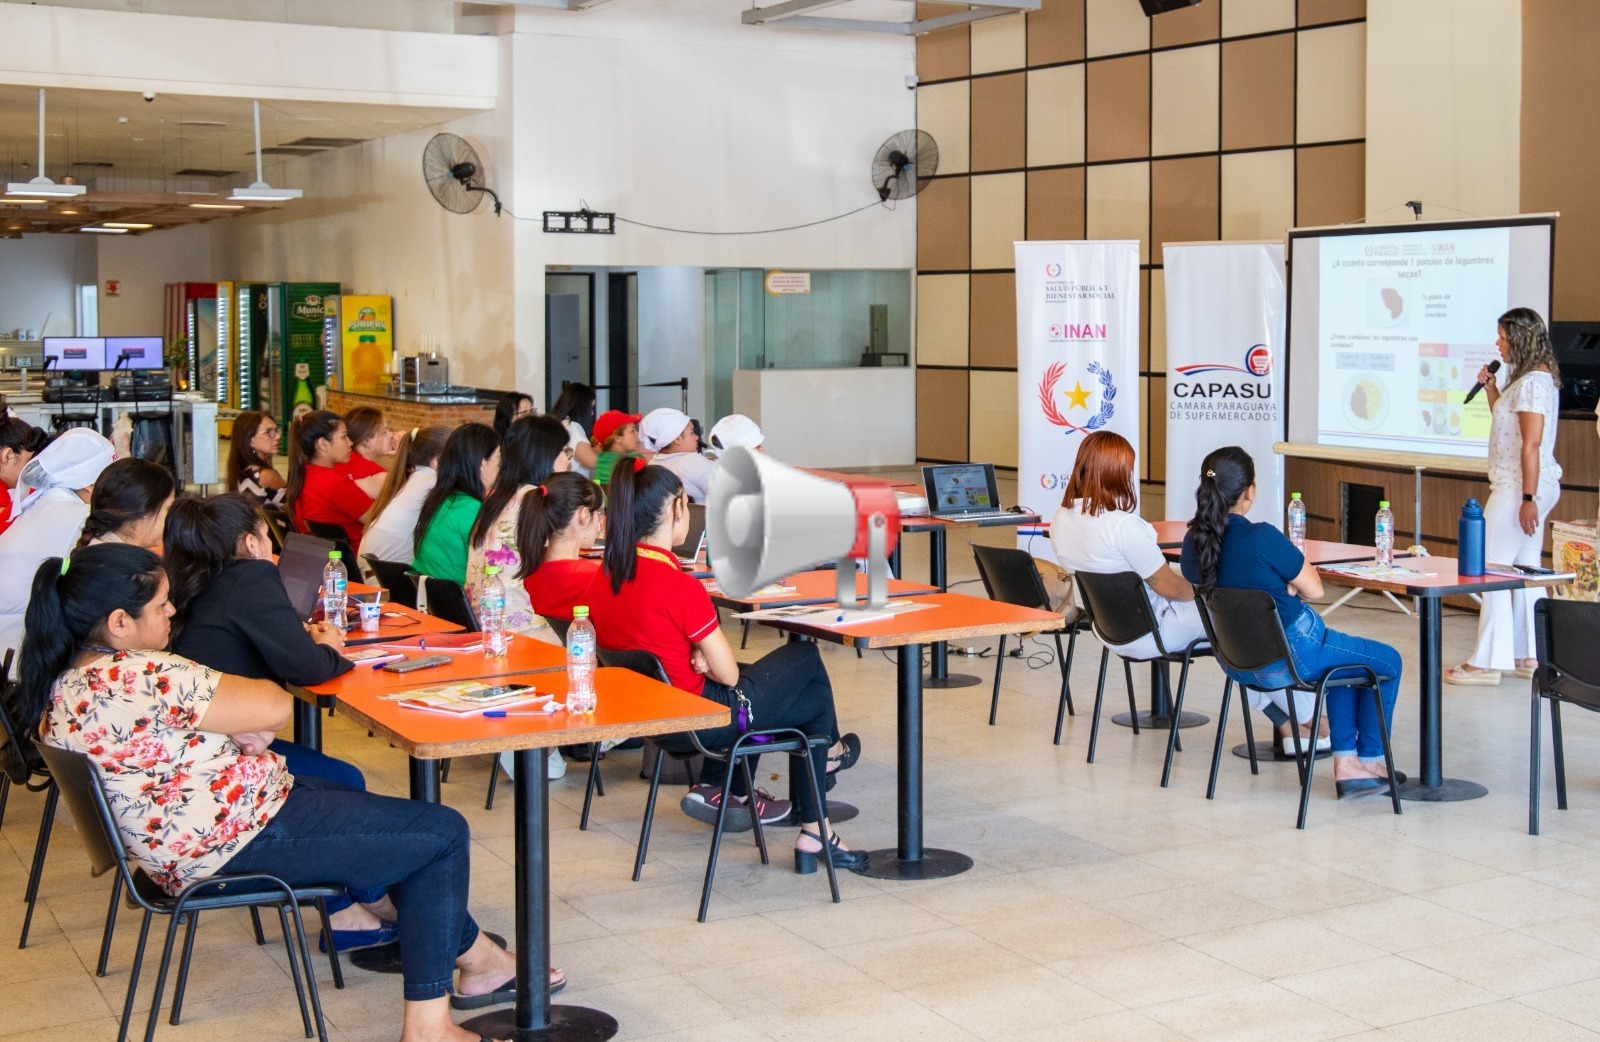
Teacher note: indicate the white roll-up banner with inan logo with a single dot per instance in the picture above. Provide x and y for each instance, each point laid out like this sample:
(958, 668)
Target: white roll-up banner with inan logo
(1226, 308)
(1077, 360)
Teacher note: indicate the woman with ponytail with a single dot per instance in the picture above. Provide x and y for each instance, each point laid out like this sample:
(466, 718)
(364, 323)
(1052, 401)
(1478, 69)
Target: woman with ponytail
(391, 535)
(642, 600)
(469, 465)
(560, 520)
(533, 448)
(195, 792)
(319, 490)
(1225, 549)
(129, 505)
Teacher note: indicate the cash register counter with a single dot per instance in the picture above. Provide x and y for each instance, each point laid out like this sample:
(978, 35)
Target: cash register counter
(405, 410)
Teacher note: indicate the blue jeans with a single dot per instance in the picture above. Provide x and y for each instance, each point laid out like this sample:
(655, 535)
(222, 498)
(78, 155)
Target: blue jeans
(306, 762)
(419, 852)
(1353, 721)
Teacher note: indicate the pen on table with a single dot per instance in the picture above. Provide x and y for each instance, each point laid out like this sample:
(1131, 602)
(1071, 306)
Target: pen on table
(497, 714)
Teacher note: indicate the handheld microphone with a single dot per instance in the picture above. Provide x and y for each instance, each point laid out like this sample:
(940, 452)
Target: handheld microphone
(1494, 367)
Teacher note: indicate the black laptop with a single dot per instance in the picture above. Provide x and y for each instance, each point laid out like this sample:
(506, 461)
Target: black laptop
(962, 491)
(300, 565)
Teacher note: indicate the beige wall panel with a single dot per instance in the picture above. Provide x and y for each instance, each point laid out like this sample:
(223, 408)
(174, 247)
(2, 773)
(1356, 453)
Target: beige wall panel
(1319, 12)
(941, 320)
(1155, 448)
(1119, 109)
(1258, 92)
(1183, 200)
(943, 225)
(1055, 32)
(1055, 204)
(997, 209)
(1244, 17)
(994, 418)
(999, 127)
(944, 54)
(1330, 185)
(1331, 97)
(1183, 100)
(944, 110)
(1258, 194)
(942, 414)
(1055, 115)
(1115, 27)
(1187, 25)
(1157, 362)
(999, 44)
(994, 320)
(1119, 204)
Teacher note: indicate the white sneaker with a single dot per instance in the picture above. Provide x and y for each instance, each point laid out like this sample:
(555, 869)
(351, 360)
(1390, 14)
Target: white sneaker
(557, 766)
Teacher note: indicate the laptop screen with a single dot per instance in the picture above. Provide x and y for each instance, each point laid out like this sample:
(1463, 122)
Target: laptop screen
(960, 487)
(300, 566)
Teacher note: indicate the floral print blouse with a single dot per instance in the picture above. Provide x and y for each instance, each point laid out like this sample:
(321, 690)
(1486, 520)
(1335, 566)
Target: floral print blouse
(501, 548)
(186, 800)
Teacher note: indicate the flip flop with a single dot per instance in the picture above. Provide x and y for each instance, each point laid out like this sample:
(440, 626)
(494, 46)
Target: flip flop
(505, 993)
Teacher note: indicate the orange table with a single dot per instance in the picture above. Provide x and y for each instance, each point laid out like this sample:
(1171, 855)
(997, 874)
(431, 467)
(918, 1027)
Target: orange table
(818, 587)
(1440, 580)
(399, 622)
(952, 616)
(1317, 551)
(629, 706)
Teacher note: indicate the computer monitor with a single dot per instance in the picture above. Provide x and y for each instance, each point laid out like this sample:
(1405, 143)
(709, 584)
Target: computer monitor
(141, 352)
(75, 352)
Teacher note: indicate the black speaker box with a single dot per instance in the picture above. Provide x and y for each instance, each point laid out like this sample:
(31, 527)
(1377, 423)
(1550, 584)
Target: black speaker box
(1155, 7)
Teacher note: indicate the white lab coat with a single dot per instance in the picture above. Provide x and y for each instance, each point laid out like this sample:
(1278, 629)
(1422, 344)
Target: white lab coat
(48, 528)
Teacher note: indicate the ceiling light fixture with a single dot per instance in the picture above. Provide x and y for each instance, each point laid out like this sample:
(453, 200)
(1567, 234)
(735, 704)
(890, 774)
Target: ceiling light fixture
(214, 206)
(42, 185)
(258, 191)
(68, 213)
(128, 225)
(105, 231)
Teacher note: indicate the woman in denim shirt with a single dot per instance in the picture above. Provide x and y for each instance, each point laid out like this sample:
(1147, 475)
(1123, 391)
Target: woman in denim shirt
(1225, 549)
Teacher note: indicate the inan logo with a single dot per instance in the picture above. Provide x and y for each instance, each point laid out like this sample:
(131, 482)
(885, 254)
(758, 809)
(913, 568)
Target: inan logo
(1052, 270)
(1078, 331)
(1257, 362)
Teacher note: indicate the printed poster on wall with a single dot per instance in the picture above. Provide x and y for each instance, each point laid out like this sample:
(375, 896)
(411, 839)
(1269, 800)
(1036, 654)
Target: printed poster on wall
(367, 335)
(1226, 308)
(1077, 359)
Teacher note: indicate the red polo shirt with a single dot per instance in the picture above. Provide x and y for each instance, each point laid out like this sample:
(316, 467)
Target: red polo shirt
(358, 467)
(332, 497)
(663, 611)
(555, 586)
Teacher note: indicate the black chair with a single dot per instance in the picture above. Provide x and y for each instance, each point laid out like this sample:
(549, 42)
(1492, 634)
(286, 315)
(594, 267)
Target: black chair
(447, 600)
(744, 748)
(397, 578)
(91, 812)
(23, 766)
(1564, 635)
(279, 525)
(1010, 576)
(1247, 635)
(335, 534)
(1120, 613)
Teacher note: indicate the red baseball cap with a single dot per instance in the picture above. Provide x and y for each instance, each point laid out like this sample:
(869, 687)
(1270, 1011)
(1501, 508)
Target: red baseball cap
(611, 421)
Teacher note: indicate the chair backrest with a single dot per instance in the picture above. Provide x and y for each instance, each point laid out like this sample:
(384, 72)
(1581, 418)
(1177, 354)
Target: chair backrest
(560, 626)
(1567, 637)
(278, 525)
(639, 661)
(1009, 575)
(1245, 631)
(1118, 604)
(86, 801)
(336, 533)
(20, 757)
(395, 577)
(448, 601)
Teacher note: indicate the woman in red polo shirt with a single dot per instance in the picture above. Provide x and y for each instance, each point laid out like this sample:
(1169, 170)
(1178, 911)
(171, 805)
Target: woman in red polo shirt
(643, 600)
(370, 440)
(559, 520)
(318, 489)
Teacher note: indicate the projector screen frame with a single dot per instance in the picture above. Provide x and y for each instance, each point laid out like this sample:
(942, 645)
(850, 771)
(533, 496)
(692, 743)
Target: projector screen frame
(1396, 458)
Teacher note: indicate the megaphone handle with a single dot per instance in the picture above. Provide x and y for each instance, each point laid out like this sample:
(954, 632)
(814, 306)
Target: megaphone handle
(844, 571)
(877, 564)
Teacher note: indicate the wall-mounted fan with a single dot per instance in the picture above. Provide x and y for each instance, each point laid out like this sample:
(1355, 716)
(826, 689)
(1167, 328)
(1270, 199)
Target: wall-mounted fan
(451, 168)
(904, 164)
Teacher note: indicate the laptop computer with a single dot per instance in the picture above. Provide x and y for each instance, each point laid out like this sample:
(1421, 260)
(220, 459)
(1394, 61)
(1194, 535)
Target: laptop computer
(962, 491)
(695, 540)
(300, 565)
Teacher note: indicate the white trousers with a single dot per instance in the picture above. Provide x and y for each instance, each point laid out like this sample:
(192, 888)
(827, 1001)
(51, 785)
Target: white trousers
(1505, 625)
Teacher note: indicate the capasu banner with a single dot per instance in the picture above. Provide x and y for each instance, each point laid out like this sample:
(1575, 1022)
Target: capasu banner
(1226, 305)
(1077, 358)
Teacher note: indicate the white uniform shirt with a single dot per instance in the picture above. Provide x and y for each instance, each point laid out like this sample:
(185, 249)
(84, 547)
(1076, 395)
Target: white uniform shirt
(1536, 393)
(389, 537)
(693, 469)
(49, 528)
(576, 437)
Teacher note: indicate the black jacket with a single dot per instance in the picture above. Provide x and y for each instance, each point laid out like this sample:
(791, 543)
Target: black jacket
(244, 624)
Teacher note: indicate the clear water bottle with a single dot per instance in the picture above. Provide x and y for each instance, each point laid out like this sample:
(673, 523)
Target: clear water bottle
(334, 582)
(581, 646)
(1297, 521)
(1384, 533)
(492, 614)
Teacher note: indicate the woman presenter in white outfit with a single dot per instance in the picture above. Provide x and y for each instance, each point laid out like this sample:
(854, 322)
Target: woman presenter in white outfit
(1524, 484)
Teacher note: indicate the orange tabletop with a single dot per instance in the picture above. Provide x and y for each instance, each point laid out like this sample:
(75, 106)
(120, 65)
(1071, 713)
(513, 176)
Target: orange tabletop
(952, 616)
(399, 622)
(525, 655)
(818, 587)
(1440, 578)
(1317, 551)
(1170, 533)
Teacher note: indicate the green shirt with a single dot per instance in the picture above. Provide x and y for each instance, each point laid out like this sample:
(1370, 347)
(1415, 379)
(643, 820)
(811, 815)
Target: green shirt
(605, 462)
(442, 550)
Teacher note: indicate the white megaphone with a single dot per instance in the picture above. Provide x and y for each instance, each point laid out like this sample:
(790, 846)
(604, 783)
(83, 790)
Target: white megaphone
(765, 520)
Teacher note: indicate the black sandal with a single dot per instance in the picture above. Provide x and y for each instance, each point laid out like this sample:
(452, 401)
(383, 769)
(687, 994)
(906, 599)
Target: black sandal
(847, 759)
(805, 861)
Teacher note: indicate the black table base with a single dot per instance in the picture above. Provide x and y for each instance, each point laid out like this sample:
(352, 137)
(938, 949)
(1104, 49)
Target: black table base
(1158, 716)
(1448, 790)
(562, 1024)
(1431, 786)
(1269, 752)
(951, 680)
(385, 958)
(308, 724)
(1162, 722)
(933, 864)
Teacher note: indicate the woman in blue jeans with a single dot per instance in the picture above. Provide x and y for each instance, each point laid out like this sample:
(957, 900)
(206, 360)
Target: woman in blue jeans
(1225, 549)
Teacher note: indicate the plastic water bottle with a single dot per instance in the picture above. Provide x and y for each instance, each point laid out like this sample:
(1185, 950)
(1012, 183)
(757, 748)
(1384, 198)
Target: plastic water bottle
(334, 582)
(1383, 532)
(1469, 539)
(1297, 521)
(492, 614)
(581, 646)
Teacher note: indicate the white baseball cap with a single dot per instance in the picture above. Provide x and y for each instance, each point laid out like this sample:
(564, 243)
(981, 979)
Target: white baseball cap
(736, 429)
(661, 427)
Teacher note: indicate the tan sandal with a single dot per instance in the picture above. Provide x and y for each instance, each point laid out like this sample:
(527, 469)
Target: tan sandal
(1526, 667)
(1470, 676)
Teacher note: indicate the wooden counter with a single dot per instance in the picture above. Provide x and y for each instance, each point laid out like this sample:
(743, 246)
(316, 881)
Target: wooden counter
(404, 411)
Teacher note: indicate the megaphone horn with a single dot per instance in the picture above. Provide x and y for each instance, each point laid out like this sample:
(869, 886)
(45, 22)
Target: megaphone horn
(766, 520)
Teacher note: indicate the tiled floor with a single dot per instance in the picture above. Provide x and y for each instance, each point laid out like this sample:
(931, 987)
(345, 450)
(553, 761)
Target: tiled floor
(1100, 907)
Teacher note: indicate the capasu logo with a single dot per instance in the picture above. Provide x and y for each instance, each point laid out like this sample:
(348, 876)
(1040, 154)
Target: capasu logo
(1052, 270)
(1257, 367)
(1257, 362)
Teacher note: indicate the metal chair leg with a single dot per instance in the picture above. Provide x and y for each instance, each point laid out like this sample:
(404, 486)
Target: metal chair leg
(589, 789)
(649, 815)
(133, 977)
(999, 665)
(1388, 750)
(1177, 713)
(1133, 706)
(817, 800)
(716, 838)
(1222, 734)
(1099, 697)
(41, 847)
(1534, 764)
(5, 796)
(327, 939)
(161, 978)
(111, 925)
(1249, 729)
(494, 781)
(255, 924)
(311, 978)
(294, 966)
(595, 755)
(1307, 756)
(755, 813)
(183, 969)
(1559, 749)
(744, 639)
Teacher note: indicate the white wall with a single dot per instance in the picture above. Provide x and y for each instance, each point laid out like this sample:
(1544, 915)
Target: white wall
(39, 276)
(143, 265)
(672, 337)
(1444, 89)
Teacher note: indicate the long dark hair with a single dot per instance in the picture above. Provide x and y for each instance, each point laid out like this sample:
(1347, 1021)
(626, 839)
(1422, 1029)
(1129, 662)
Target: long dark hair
(459, 470)
(21, 436)
(1225, 475)
(127, 490)
(576, 402)
(419, 447)
(635, 501)
(242, 459)
(69, 608)
(549, 508)
(505, 410)
(528, 454)
(304, 433)
(202, 539)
